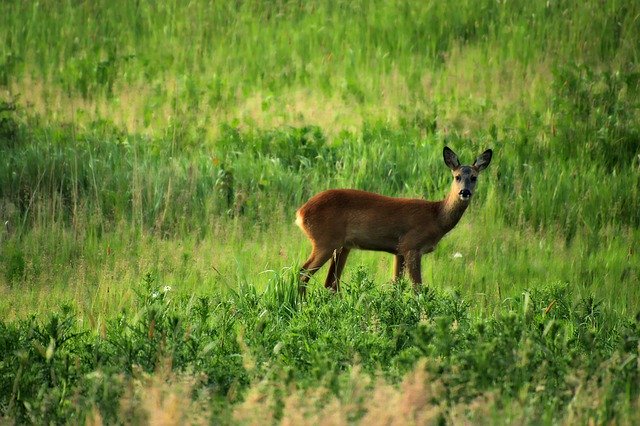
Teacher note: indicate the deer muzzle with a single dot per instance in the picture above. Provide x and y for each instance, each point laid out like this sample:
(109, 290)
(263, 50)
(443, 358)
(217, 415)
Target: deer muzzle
(465, 194)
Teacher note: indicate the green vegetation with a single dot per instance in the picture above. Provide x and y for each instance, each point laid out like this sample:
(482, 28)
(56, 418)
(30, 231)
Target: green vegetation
(537, 353)
(152, 157)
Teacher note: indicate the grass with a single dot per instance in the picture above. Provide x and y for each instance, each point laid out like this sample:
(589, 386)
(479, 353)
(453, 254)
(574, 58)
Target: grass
(539, 350)
(143, 67)
(153, 156)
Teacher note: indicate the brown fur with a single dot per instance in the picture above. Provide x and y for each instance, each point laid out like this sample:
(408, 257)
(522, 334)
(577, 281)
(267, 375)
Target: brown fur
(339, 220)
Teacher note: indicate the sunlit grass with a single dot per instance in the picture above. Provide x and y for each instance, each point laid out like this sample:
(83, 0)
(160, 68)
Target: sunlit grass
(152, 157)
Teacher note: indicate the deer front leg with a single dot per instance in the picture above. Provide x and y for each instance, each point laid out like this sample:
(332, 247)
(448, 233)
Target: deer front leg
(412, 261)
(398, 266)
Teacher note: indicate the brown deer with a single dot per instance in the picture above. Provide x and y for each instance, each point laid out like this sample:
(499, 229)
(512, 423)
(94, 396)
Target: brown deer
(339, 220)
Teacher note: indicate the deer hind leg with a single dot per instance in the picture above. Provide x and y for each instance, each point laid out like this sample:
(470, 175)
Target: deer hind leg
(338, 260)
(398, 266)
(316, 259)
(413, 259)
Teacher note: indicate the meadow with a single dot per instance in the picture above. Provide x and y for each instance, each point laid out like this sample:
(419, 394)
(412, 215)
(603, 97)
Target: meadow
(152, 158)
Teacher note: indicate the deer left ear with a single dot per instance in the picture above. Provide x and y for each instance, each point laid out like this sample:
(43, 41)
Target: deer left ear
(450, 158)
(482, 162)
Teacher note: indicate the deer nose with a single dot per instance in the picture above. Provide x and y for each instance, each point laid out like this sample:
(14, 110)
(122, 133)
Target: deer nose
(465, 194)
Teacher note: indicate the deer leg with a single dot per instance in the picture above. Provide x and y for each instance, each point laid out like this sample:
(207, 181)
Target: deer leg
(413, 258)
(316, 259)
(338, 261)
(398, 266)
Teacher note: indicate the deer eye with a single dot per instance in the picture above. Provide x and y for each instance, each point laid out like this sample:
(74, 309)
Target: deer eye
(458, 178)
(474, 178)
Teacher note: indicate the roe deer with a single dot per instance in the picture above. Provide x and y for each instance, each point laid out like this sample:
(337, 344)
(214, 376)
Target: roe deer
(339, 220)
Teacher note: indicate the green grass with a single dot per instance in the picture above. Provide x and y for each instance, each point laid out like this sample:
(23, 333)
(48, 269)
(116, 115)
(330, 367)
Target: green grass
(538, 349)
(175, 142)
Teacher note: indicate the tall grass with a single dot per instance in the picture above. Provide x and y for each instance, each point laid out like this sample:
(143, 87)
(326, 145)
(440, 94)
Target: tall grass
(539, 350)
(98, 197)
(175, 141)
(150, 67)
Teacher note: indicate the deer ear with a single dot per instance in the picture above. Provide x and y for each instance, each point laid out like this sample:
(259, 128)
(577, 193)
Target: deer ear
(450, 158)
(483, 160)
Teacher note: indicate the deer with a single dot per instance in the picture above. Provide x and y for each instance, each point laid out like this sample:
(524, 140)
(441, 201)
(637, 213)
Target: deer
(337, 221)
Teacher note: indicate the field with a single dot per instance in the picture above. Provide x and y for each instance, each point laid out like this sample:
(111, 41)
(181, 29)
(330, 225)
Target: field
(152, 158)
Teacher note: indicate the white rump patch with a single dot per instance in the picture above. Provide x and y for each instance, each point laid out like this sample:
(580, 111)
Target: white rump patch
(299, 219)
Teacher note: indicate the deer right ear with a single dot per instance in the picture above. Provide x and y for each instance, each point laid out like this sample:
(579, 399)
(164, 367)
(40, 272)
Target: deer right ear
(483, 161)
(450, 158)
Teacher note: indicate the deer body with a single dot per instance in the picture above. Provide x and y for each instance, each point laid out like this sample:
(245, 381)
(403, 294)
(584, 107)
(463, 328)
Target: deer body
(339, 220)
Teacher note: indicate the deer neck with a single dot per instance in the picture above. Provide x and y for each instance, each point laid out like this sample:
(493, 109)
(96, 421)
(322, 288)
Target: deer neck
(452, 209)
